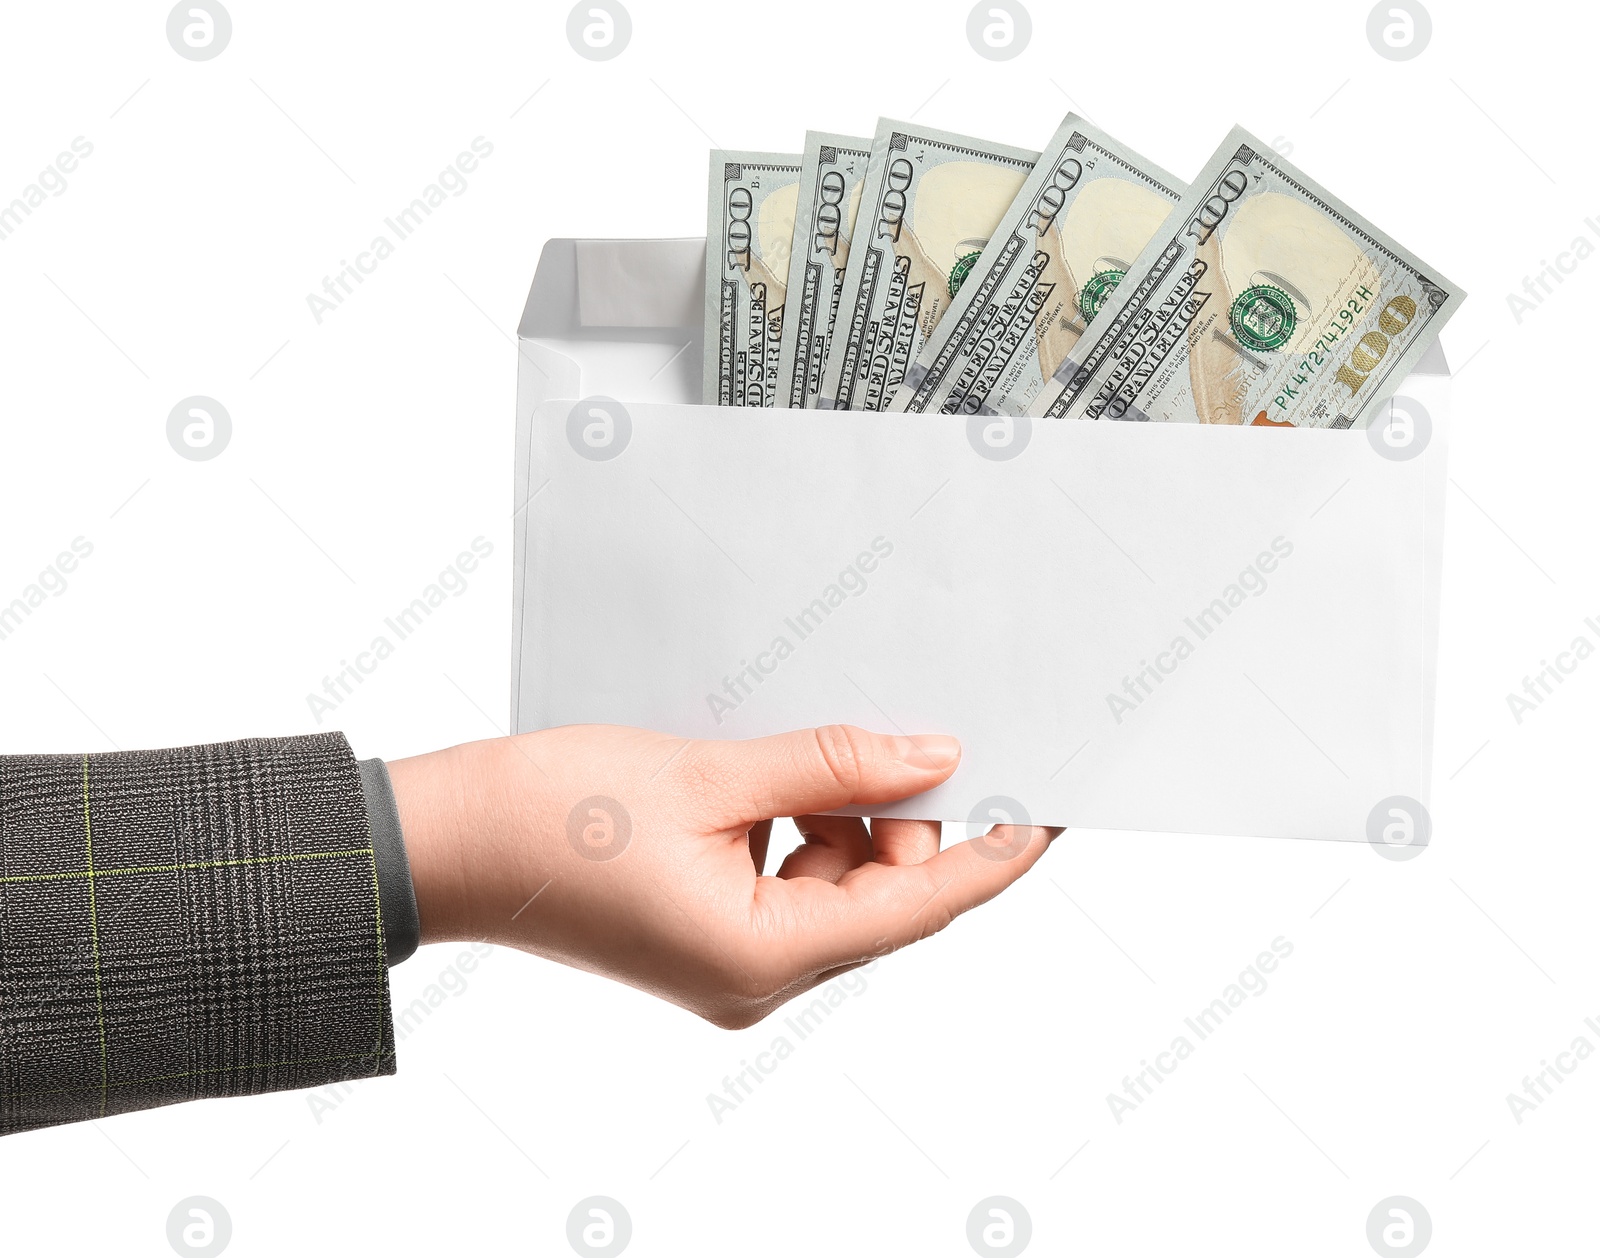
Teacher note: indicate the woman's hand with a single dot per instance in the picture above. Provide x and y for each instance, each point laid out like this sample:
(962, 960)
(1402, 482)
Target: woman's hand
(639, 856)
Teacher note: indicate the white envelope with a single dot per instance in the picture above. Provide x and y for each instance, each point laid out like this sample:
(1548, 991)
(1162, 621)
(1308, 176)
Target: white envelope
(1129, 626)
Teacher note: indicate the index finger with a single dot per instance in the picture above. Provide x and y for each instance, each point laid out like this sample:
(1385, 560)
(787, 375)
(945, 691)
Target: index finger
(878, 908)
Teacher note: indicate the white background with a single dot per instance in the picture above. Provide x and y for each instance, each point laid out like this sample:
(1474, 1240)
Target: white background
(370, 449)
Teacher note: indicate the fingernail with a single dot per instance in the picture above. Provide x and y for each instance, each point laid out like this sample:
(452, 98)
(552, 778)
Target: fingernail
(928, 751)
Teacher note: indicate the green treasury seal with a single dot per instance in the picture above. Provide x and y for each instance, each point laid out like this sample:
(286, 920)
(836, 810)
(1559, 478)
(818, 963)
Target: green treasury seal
(1262, 317)
(962, 269)
(1093, 294)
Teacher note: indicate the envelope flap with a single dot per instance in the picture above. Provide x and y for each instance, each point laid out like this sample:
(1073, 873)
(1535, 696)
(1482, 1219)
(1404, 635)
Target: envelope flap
(615, 290)
(640, 283)
(1432, 362)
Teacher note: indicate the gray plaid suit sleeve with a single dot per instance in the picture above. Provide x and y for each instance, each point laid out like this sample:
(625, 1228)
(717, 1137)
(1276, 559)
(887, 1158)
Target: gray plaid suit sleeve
(194, 922)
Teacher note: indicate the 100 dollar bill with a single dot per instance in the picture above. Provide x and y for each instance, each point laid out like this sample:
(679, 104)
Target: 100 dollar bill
(1262, 300)
(831, 172)
(749, 230)
(1087, 210)
(930, 202)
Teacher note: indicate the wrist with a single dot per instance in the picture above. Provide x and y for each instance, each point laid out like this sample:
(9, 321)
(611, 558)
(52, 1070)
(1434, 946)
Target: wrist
(434, 804)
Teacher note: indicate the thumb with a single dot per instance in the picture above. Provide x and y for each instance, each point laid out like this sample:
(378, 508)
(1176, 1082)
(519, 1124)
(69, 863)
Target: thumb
(815, 770)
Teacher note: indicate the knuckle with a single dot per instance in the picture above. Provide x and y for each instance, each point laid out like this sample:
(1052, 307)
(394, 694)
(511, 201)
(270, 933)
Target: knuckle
(936, 912)
(845, 751)
(747, 996)
(935, 920)
(731, 1017)
(742, 983)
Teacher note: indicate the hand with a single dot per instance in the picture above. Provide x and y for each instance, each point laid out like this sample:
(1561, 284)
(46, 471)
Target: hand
(639, 856)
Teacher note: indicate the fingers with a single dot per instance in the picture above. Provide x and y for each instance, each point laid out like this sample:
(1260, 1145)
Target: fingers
(877, 908)
(833, 847)
(816, 770)
(899, 842)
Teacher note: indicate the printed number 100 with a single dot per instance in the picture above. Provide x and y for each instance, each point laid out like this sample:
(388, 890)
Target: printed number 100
(1371, 348)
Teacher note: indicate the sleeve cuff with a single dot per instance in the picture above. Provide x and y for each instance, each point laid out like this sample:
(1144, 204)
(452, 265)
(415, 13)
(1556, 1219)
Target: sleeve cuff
(397, 899)
(184, 923)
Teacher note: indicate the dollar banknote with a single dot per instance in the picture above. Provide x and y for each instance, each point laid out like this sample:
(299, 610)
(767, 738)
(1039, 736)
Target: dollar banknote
(930, 202)
(1261, 300)
(749, 231)
(831, 172)
(1087, 210)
